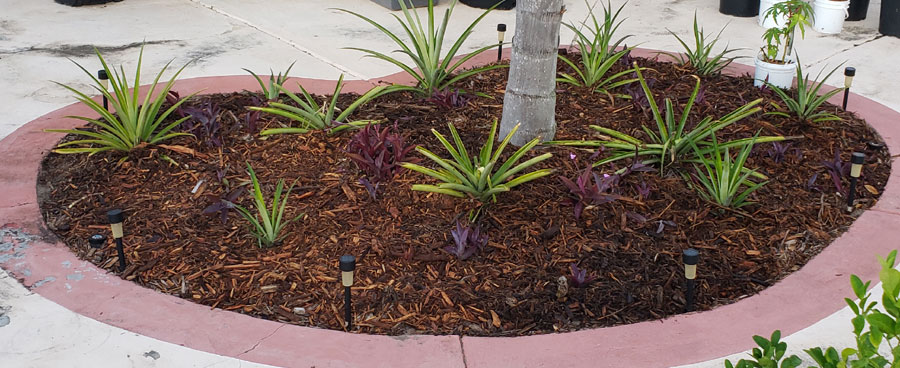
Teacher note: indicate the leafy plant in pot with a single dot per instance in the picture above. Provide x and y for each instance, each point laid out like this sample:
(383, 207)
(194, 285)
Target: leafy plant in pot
(775, 62)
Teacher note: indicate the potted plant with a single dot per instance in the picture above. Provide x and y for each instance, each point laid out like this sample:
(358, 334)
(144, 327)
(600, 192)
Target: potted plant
(858, 10)
(889, 23)
(775, 62)
(485, 4)
(739, 8)
(829, 15)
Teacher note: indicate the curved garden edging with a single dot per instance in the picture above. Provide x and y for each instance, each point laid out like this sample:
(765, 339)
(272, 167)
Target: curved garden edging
(50, 269)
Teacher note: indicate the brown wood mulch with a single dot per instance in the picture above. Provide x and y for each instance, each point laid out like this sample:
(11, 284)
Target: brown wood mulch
(406, 282)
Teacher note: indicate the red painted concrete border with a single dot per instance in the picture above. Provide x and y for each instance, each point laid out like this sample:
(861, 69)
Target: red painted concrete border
(801, 299)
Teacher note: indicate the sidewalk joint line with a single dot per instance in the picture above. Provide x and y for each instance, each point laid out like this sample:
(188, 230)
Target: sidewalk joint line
(285, 40)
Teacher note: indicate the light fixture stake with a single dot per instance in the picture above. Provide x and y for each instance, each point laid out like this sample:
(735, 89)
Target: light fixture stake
(501, 32)
(347, 265)
(690, 257)
(116, 217)
(104, 80)
(849, 72)
(856, 161)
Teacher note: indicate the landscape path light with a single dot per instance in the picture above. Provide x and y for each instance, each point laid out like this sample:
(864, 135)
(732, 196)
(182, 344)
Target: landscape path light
(104, 80)
(874, 146)
(348, 266)
(97, 240)
(849, 73)
(689, 257)
(856, 161)
(501, 32)
(116, 218)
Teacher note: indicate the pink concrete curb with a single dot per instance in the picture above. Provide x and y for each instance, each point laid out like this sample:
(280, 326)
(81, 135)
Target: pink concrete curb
(48, 268)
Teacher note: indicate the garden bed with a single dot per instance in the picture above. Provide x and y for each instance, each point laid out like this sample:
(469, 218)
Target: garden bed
(406, 282)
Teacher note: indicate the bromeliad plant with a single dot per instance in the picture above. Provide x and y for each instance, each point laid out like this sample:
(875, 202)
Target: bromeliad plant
(722, 177)
(478, 176)
(136, 122)
(271, 90)
(808, 100)
(435, 71)
(313, 116)
(267, 226)
(598, 53)
(671, 142)
(701, 56)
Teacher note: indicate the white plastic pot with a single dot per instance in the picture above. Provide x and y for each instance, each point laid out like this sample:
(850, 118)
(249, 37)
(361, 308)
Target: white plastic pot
(768, 22)
(780, 75)
(829, 15)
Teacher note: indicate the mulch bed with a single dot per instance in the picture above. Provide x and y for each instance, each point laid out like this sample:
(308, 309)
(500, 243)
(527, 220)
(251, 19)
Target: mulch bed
(406, 282)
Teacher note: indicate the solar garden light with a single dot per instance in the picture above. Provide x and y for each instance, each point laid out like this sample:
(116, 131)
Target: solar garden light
(874, 146)
(104, 80)
(501, 31)
(849, 72)
(348, 264)
(856, 162)
(690, 257)
(116, 217)
(97, 240)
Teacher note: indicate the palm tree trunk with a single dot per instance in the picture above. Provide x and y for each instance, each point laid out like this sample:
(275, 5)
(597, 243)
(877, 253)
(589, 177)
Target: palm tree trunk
(530, 98)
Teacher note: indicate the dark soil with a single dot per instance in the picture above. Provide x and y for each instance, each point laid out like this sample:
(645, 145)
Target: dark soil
(406, 282)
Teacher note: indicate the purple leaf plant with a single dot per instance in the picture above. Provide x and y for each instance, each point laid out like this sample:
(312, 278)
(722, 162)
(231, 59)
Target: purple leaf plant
(378, 154)
(467, 239)
(778, 151)
(579, 277)
(589, 189)
(838, 169)
(450, 100)
(223, 204)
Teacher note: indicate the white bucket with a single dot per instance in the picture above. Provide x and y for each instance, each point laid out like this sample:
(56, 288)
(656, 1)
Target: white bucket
(780, 75)
(768, 22)
(829, 15)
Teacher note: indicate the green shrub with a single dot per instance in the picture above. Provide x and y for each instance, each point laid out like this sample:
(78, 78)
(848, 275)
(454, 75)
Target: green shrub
(435, 70)
(478, 177)
(136, 121)
(268, 226)
(598, 53)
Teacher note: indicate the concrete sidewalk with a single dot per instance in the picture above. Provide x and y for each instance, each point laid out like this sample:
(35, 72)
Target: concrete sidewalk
(224, 36)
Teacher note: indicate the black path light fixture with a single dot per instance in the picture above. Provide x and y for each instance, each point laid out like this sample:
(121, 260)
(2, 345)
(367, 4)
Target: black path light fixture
(849, 73)
(348, 266)
(104, 80)
(501, 35)
(116, 218)
(97, 240)
(689, 257)
(856, 162)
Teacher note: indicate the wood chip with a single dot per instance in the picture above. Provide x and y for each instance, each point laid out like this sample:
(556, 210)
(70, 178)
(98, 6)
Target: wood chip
(495, 319)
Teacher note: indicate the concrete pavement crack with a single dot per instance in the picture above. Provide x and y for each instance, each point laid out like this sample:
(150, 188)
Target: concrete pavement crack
(285, 40)
(462, 350)
(260, 341)
(876, 38)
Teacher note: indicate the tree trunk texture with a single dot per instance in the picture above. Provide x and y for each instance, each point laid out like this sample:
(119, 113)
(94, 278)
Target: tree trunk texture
(530, 98)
